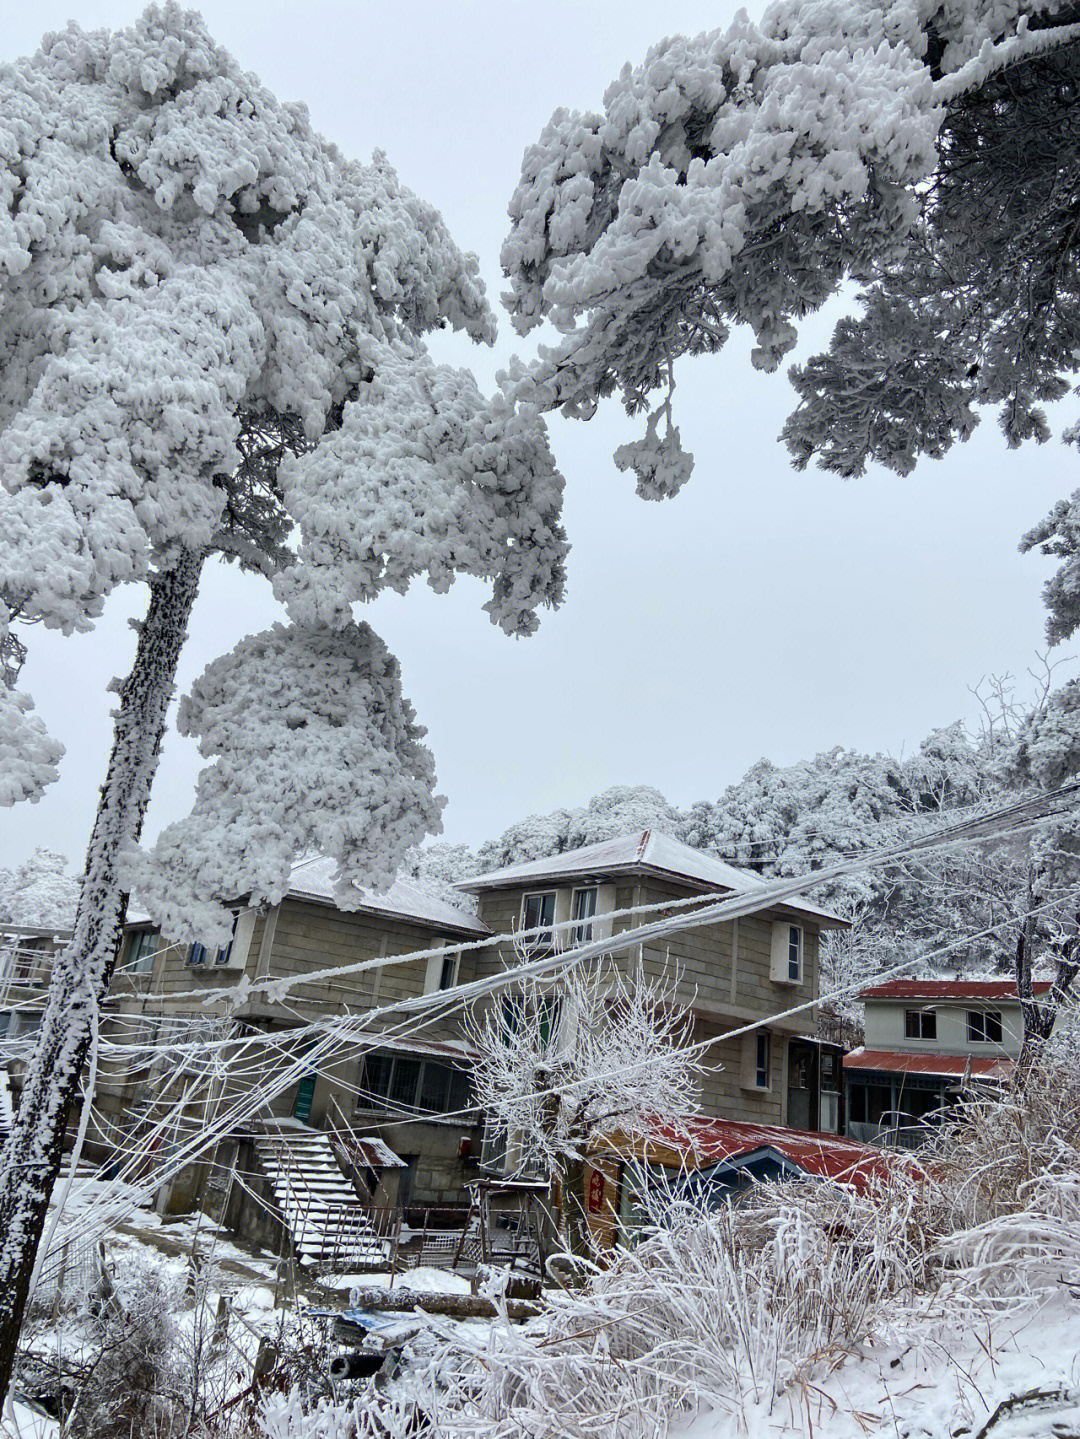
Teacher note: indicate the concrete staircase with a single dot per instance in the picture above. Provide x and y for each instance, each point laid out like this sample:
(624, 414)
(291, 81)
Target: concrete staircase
(317, 1203)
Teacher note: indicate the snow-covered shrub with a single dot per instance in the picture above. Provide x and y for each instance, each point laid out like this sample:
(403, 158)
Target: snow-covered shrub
(997, 1144)
(287, 1416)
(136, 1382)
(715, 1309)
(1035, 1249)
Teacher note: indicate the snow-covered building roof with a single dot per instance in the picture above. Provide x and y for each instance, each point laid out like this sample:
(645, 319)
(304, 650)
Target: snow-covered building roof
(314, 879)
(941, 1066)
(644, 852)
(1001, 989)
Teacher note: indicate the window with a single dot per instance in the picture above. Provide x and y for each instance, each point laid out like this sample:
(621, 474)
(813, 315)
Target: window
(984, 1026)
(514, 1015)
(201, 956)
(920, 1024)
(448, 971)
(761, 1064)
(582, 911)
(787, 952)
(794, 953)
(144, 947)
(396, 1081)
(538, 912)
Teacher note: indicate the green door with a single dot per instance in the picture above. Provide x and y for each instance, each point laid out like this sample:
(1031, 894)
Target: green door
(305, 1093)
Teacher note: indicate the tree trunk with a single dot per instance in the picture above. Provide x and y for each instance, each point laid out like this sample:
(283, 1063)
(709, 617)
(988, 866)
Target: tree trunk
(1040, 1015)
(81, 973)
(576, 1230)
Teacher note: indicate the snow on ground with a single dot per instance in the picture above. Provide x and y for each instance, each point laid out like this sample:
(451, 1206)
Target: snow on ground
(933, 1375)
(422, 1280)
(20, 1421)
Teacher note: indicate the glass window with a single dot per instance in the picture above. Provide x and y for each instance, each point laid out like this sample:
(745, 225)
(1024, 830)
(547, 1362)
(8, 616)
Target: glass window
(435, 1089)
(761, 1068)
(582, 910)
(448, 973)
(920, 1024)
(406, 1079)
(538, 912)
(984, 1026)
(399, 1081)
(374, 1080)
(199, 954)
(143, 951)
(795, 952)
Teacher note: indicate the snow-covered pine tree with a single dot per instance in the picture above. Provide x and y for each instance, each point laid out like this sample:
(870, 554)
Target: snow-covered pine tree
(39, 891)
(211, 345)
(928, 151)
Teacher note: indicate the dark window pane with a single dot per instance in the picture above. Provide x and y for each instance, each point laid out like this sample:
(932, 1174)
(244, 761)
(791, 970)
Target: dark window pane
(993, 1026)
(539, 913)
(405, 1081)
(761, 1075)
(374, 1081)
(911, 1024)
(975, 1026)
(584, 909)
(549, 1019)
(448, 974)
(435, 1089)
(459, 1090)
(929, 1024)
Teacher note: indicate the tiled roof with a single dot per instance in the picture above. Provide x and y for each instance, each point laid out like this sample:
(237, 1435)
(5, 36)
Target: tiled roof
(314, 879)
(950, 989)
(704, 1142)
(947, 1066)
(645, 852)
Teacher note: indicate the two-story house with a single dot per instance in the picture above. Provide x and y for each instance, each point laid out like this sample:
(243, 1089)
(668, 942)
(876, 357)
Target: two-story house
(411, 1092)
(925, 1040)
(405, 1088)
(730, 973)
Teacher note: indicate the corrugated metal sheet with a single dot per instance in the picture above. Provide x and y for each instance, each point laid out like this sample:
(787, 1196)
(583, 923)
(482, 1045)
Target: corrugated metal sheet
(702, 1143)
(950, 989)
(948, 1066)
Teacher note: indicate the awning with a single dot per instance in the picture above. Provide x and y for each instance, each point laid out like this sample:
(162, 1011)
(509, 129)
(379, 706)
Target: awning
(945, 1066)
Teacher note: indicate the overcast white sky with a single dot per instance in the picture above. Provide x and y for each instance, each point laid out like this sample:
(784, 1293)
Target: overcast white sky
(761, 612)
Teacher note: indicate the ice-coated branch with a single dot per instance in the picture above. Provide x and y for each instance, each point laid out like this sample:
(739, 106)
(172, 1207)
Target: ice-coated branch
(316, 749)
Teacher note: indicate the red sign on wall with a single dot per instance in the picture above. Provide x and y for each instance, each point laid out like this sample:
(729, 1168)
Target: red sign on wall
(596, 1192)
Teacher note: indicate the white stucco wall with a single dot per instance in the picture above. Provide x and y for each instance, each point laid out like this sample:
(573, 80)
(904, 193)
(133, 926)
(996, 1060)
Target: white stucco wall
(885, 1027)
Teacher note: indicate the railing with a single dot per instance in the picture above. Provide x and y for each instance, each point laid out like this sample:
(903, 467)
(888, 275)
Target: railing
(891, 1136)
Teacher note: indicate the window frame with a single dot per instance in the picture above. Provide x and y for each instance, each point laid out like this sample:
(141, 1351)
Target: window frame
(545, 938)
(222, 956)
(582, 931)
(799, 946)
(383, 1100)
(763, 1045)
(922, 1015)
(136, 955)
(978, 1033)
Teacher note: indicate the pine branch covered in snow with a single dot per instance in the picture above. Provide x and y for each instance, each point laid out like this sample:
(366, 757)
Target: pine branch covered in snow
(212, 344)
(39, 892)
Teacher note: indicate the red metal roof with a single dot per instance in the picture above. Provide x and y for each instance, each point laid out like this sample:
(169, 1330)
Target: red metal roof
(950, 989)
(705, 1142)
(948, 1066)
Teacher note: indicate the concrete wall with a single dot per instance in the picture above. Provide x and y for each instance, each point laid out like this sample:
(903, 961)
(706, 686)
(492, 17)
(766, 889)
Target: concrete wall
(885, 1027)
